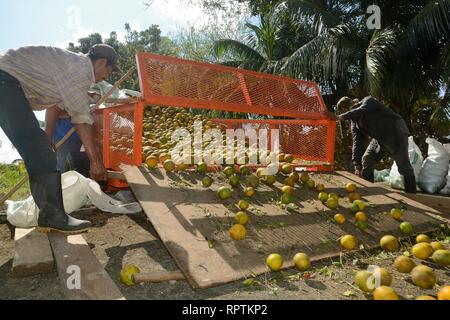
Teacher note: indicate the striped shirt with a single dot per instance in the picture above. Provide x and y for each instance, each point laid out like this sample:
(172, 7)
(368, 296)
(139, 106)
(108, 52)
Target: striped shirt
(52, 76)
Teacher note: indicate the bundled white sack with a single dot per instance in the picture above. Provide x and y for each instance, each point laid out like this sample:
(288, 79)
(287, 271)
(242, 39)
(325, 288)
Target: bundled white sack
(434, 172)
(77, 191)
(446, 189)
(395, 179)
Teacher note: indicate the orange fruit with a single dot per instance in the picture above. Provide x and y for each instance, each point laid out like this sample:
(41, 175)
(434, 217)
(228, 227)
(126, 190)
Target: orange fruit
(425, 298)
(152, 162)
(202, 167)
(286, 168)
(238, 232)
(289, 182)
(444, 293)
(288, 190)
(354, 196)
(349, 242)
(294, 176)
(389, 243)
(286, 199)
(323, 197)
(320, 187)
(250, 192)
(406, 227)
(358, 205)
(242, 218)
(422, 250)
(274, 262)
(270, 180)
(302, 262)
(207, 182)
(224, 193)
(396, 213)
(243, 205)
(304, 177)
(339, 218)
(423, 277)
(289, 158)
(360, 216)
(437, 245)
(423, 238)
(350, 187)
(311, 184)
(404, 264)
(332, 203)
(385, 293)
(228, 171)
(169, 166)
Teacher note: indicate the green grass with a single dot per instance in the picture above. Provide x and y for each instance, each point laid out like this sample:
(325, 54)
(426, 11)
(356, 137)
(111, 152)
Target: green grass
(9, 177)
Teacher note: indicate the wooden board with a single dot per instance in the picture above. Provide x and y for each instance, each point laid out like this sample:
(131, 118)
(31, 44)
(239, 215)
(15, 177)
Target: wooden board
(193, 223)
(440, 203)
(73, 251)
(32, 253)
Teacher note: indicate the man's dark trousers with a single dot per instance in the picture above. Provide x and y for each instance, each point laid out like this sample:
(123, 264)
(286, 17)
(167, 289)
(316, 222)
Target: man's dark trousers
(21, 127)
(398, 150)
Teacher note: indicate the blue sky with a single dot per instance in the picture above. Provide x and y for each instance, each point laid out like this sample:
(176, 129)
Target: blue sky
(56, 23)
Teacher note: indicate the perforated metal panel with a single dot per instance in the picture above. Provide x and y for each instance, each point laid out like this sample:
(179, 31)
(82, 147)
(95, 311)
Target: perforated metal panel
(311, 142)
(169, 81)
(119, 131)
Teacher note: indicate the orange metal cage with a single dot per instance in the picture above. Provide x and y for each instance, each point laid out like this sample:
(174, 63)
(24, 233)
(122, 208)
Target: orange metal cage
(172, 82)
(168, 81)
(311, 142)
(119, 133)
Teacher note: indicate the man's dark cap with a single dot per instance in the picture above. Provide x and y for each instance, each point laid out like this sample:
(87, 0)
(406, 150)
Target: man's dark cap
(104, 51)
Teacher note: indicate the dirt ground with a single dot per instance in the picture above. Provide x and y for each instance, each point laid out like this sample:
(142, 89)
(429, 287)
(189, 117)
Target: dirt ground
(119, 240)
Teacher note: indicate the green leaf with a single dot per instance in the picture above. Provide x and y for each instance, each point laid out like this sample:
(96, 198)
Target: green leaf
(349, 293)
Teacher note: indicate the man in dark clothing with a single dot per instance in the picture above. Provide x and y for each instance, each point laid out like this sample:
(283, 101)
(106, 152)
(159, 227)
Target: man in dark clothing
(388, 131)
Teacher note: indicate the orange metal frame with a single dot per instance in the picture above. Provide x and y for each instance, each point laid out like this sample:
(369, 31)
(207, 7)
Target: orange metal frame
(173, 82)
(148, 65)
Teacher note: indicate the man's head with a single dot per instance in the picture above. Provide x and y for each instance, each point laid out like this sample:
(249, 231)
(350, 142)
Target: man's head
(104, 61)
(346, 104)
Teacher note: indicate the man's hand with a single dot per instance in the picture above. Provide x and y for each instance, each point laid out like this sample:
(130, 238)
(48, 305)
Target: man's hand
(86, 134)
(358, 171)
(98, 171)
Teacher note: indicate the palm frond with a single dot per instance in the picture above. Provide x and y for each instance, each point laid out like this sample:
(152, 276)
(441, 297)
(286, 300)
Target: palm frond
(225, 47)
(431, 25)
(382, 48)
(309, 11)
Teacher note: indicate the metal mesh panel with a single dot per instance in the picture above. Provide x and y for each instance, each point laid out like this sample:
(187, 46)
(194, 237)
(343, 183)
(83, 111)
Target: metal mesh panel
(121, 128)
(174, 82)
(312, 142)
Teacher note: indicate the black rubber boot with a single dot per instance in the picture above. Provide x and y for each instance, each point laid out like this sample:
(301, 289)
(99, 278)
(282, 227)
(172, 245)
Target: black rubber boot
(47, 193)
(410, 184)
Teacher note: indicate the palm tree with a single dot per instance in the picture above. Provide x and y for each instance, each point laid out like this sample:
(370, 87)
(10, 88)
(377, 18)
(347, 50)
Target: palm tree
(265, 43)
(404, 62)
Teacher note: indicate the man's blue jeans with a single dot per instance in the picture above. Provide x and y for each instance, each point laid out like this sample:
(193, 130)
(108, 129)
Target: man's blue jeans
(21, 127)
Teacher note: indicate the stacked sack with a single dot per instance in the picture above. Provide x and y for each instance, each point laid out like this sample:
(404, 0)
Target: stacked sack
(434, 176)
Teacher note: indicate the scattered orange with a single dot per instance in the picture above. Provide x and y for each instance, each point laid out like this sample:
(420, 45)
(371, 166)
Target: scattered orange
(238, 232)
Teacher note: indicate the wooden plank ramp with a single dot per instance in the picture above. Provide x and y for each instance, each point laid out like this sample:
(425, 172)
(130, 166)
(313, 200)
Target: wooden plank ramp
(438, 202)
(73, 253)
(193, 224)
(32, 253)
(413, 200)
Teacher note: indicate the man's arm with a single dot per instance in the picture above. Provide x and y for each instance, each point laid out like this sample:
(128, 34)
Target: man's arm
(51, 117)
(367, 105)
(358, 148)
(86, 134)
